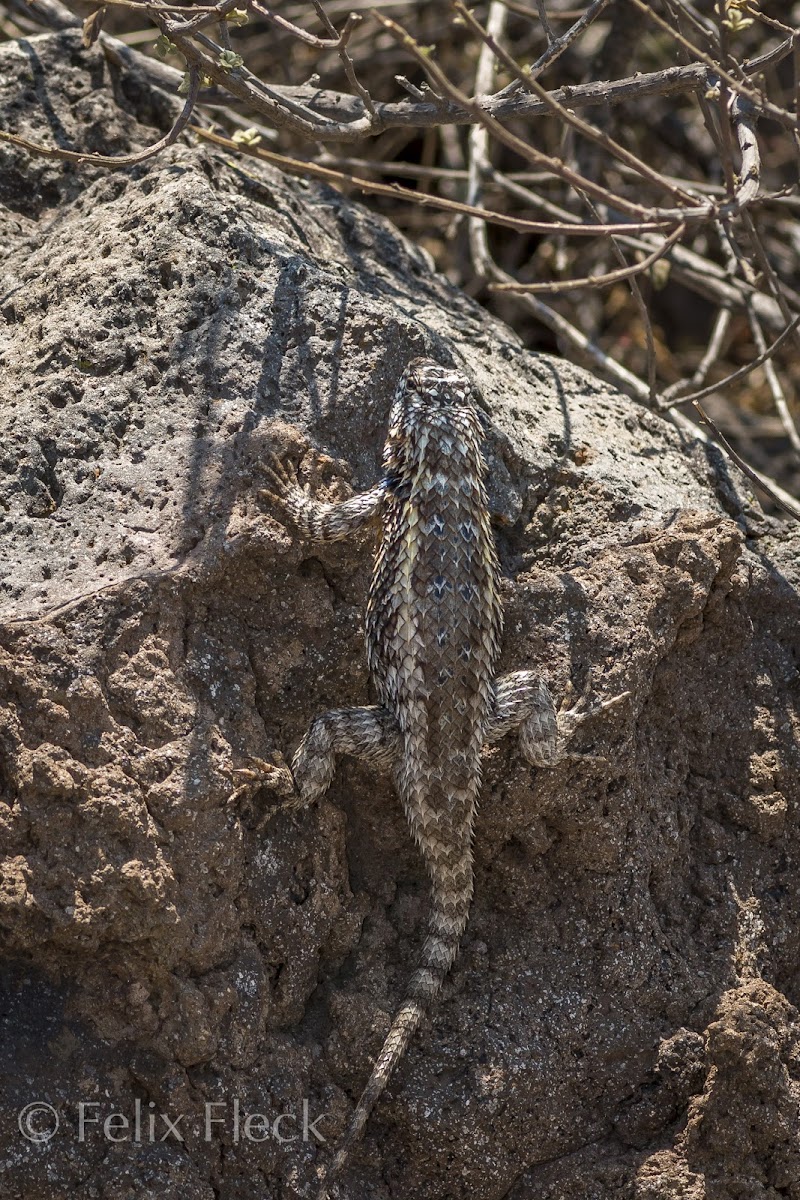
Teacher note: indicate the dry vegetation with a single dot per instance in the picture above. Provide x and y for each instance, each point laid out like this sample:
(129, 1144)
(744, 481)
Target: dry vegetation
(617, 179)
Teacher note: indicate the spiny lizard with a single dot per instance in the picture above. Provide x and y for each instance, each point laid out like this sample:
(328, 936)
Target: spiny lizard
(433, 627)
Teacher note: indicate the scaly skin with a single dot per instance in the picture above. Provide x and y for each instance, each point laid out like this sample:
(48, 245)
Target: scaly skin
(433, 630)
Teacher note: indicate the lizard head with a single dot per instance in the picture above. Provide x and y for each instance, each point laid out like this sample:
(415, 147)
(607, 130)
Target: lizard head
(433, 418)
(427, 384)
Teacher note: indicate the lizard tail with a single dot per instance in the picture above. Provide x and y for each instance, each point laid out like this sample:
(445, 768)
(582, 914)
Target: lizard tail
(448, 919)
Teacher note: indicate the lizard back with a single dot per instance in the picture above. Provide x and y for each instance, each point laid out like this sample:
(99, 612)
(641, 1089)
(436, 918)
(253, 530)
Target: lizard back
(433, 612)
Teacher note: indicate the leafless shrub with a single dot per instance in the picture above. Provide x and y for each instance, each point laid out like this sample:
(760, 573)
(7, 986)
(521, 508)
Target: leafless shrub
(618, 178)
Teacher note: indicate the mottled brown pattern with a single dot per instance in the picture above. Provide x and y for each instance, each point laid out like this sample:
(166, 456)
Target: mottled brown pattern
(433, 629)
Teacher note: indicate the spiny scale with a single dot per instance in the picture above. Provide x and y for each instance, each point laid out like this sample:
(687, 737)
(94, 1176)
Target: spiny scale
(433, 628)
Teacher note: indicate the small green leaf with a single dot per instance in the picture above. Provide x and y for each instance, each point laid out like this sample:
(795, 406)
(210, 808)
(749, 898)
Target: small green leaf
(230, 61)
(163, 46)
(247, 137)
(736, 22)
(659, 274)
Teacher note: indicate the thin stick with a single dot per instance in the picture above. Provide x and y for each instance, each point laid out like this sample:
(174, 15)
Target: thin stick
(570, 118)
(581, 344)
(346, 60)
(478, 144)
(557, 47)
(713, 351)
(736, 375)
(778, 397)
(778, 114)
(546, 26)
(595, 280)
(297, 166)
(776, 495)
(744, 116)
(116, 160)
(523, 149)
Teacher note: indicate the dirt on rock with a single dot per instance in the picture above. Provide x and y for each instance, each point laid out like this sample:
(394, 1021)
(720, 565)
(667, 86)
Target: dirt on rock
(193, 1002)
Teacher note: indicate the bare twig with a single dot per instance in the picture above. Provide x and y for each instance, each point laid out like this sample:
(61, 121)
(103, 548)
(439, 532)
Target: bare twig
(343, 117)
(478, 145)
(696, 272)
(735, 376)
(719, 334)
(341, 49)
(776, 495)
(596, 280)
(743, 116)
(585, 349)
(644, 315)
(557, 46)
(766, 356)
(302, 35)
(546, 26)
(116, 160)
(567, 117)
(737, 87)
(526, 151)
(299, 167)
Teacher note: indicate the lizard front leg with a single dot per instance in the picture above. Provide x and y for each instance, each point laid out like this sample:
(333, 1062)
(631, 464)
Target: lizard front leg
(522, 700)
(317, 519)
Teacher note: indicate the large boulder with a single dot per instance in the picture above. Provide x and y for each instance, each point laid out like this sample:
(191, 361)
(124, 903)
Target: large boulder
(620, 1022)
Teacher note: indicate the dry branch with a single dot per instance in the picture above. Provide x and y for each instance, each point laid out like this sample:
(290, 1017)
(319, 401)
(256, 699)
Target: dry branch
(600, 191)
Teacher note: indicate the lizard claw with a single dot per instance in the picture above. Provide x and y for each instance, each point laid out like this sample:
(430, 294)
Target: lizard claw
(282, 480)
(275, 776)
(570, 718)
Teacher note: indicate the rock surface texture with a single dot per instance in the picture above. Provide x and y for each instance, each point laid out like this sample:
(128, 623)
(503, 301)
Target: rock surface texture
(620, 1022)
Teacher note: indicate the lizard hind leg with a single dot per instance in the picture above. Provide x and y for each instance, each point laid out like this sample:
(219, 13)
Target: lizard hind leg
(369, 733)
(522, 701)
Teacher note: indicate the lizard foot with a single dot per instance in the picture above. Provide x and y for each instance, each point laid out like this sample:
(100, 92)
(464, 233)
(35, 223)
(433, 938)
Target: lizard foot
(275, 776)
(570, 719)
(282, 480)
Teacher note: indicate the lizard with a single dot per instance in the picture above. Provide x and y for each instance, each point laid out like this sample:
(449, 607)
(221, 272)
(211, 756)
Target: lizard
(433, 628)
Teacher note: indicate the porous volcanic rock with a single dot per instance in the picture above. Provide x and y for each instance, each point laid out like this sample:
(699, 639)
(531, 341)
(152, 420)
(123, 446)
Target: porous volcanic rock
(620, 1022)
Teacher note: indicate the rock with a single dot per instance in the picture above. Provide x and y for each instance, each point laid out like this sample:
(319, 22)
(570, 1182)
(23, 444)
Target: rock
(199, 1000)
